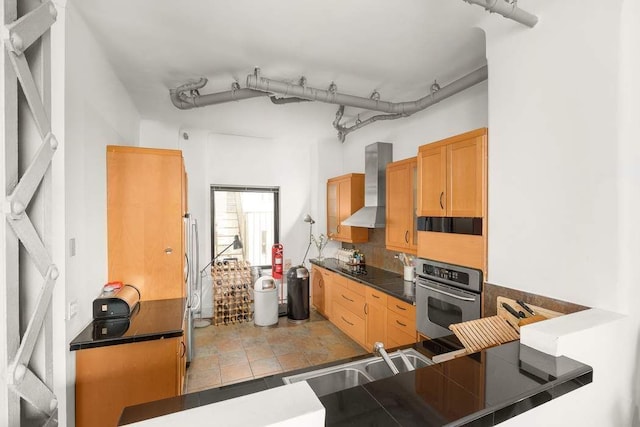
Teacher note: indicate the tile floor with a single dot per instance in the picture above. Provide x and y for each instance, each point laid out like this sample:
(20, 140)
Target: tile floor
(235, 353)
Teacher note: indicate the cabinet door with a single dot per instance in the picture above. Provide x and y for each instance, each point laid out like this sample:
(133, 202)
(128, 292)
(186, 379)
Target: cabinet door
(110, 378)
(345, 195)
(465, 178)
(376, 312)
(144, 220)
(344, 207)
(401, 232)
(333, 219)
(432, 175)
(329, 284)
(317, 289)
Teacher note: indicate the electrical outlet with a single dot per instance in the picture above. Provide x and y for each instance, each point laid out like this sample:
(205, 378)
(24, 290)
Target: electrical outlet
(72, 309)
(287, 264)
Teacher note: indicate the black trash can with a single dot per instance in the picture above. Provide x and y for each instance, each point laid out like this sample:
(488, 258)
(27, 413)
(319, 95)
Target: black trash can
(298, 294)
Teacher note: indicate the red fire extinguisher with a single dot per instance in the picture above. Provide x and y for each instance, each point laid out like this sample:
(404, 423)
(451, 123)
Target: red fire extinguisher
(276, 260)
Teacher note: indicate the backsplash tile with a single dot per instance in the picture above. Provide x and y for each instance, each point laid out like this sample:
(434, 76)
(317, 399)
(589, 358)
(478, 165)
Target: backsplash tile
(375, 252)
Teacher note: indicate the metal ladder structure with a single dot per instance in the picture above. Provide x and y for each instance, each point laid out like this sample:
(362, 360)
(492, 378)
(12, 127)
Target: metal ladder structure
(28, 274)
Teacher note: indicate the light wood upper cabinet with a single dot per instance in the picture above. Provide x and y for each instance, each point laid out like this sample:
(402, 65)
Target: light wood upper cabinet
(145, 207)
(345, 195)
(401, 205)
(452, 176)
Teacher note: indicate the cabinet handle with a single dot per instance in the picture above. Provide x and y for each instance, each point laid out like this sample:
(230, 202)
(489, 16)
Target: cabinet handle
(406, 236)
(400, 323)
(168, 251)
(441, 195)
(337, 229)
(366, 308)
(184, 349)
(348, 299)
(401, 308)
(375, 296)
(346, 321)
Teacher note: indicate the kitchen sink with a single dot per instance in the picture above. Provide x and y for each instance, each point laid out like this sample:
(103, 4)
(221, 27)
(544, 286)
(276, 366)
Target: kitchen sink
(351, 374)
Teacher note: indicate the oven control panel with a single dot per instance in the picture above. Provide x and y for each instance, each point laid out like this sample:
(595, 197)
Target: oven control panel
(465, 277)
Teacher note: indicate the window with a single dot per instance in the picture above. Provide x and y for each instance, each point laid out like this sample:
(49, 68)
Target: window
(252, 214)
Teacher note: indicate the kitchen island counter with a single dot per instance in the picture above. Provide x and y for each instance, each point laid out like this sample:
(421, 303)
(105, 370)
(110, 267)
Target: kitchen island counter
(482, 389)
(150, 320)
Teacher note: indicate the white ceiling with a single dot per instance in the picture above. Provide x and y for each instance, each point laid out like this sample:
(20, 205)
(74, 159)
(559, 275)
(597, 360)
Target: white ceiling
(398, 48)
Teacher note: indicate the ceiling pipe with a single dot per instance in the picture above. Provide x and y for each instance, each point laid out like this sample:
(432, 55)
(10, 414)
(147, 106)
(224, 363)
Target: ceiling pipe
(282, 101)
(255, 82)
(187, 96)
(509, 9)
(343, 131)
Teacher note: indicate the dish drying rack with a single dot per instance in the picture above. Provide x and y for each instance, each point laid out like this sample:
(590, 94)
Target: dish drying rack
(232, 292)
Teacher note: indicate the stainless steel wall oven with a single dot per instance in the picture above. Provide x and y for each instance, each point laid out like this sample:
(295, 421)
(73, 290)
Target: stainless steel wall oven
(445, 294)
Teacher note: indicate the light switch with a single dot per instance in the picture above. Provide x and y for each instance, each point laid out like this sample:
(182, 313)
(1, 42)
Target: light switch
(72, 247)
(72, 309)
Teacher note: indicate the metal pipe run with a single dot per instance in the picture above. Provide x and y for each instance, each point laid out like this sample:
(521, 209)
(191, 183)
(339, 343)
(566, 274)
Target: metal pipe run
(255, 82)
(187, 96)
(508, 9)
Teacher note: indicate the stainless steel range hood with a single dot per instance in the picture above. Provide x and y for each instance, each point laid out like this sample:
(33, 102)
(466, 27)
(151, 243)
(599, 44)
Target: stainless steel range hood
(372, 215)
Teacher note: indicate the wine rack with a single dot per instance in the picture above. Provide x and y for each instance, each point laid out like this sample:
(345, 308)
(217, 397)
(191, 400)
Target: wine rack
(232, 293)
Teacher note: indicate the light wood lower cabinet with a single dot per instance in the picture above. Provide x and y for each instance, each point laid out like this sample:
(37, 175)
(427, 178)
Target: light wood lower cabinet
(318, 290)
(110, 378)
(376, 312)
(348, 311)
(349, 323)
(401, 323)
(364, 313)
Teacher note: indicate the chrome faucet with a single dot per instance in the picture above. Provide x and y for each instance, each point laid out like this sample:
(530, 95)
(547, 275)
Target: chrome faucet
(378, 349)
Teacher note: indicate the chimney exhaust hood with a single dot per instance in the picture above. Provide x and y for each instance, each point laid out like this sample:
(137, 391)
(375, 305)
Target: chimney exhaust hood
(372, 215)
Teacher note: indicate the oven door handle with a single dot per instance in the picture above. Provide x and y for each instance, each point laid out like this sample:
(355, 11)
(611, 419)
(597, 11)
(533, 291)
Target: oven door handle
(446, 293)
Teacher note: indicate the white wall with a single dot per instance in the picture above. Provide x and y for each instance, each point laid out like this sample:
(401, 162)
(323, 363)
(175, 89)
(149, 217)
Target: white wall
(563, 182)
(97, 112)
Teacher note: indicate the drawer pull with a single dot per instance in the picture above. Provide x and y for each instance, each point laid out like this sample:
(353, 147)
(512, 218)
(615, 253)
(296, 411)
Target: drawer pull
(400, 323)
(375, 296)
(346, 321)
(348, 299)
(401, 308)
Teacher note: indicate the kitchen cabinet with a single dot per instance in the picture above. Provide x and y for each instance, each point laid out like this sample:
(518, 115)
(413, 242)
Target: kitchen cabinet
(348, 310)
(452, 176)
(345, 195)
(146, 201)
(376, 312)
(401, 205)
(401, 323)
(317, 290)
(112, 377)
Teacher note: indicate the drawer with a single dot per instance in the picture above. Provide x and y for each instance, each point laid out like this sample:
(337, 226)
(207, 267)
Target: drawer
(375, 296)
(401, 323)
(356, 287)
(349, 300)
(349, 323)
(401, 307)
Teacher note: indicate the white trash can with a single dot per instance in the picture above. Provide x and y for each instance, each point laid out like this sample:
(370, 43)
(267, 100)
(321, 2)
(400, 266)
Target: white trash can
(265, 301)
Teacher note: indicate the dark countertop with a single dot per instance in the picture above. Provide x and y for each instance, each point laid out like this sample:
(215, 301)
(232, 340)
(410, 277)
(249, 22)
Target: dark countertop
(151, 320)
(386, 281)
(482, 389)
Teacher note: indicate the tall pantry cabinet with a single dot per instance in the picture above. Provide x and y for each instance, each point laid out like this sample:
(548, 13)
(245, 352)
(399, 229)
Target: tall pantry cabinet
(146, 201)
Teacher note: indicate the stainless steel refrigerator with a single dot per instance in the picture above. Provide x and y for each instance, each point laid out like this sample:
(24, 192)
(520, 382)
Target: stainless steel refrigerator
(192, 280)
